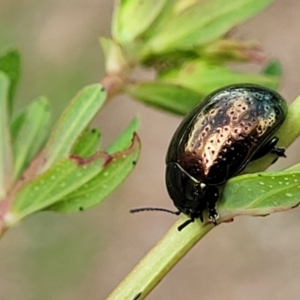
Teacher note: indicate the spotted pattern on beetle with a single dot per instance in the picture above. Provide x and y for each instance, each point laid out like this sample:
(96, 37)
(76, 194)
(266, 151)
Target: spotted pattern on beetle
(215, 142)
(228, 128)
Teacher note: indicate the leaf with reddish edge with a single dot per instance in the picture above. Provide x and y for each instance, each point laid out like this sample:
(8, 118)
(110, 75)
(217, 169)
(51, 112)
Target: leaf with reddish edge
(50, 187)
(97, 189)
(72, 122)
(88, 143)
(124, 140)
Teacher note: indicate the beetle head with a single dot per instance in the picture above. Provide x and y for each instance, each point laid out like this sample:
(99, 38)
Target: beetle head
(187, 193)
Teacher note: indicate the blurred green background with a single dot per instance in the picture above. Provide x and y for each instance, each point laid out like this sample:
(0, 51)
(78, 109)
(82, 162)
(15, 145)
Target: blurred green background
(84, 256)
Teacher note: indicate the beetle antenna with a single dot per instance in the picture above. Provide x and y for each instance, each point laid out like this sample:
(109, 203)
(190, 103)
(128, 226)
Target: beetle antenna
(155, 209)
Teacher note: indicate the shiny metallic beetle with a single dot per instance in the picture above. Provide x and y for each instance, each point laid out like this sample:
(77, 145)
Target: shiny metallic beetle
(216, 141)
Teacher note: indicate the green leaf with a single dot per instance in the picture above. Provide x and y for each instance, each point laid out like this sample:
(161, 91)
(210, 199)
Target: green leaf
(96, 190)
(290, 129)
(168, 96)
(170, 60)
(132, 18)
(17, 124)
(201, 23)
(273, 68)
(32, 131)
(51, 186)
(115, 61)
(125, 139)
(88, 143)
(219, 52)
(10, 64)
(260, 194)
(73, 121)
(6, 164)
(226, 50)
(204, 77)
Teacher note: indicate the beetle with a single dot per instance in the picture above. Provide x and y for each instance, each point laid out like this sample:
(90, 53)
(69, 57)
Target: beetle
(215, 141)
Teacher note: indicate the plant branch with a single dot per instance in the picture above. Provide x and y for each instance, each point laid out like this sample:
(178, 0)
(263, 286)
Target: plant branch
(160, 260)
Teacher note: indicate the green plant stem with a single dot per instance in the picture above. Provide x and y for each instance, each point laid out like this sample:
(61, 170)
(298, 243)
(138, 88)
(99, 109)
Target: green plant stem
(160, 260)
(290, 129)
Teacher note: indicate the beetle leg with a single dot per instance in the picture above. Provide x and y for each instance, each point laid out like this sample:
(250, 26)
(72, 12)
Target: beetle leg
(270, 147)
(279, 151)
(211, 204)
(201, 216)
(186, 223)
(213, 216)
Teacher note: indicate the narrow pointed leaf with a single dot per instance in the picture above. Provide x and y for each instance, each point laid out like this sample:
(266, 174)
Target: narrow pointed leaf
(51, 186)
(6, 168)
(125, 139)
(88, 143)
(74, 120)
(202, 23)
(225, 50)
(204, 77)
(10, 64)
(273, 68)
(168, 96)
(96, 190)
(260, 194)
(115, 60)
(132, 18)
(32, 134)
(16, 125)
